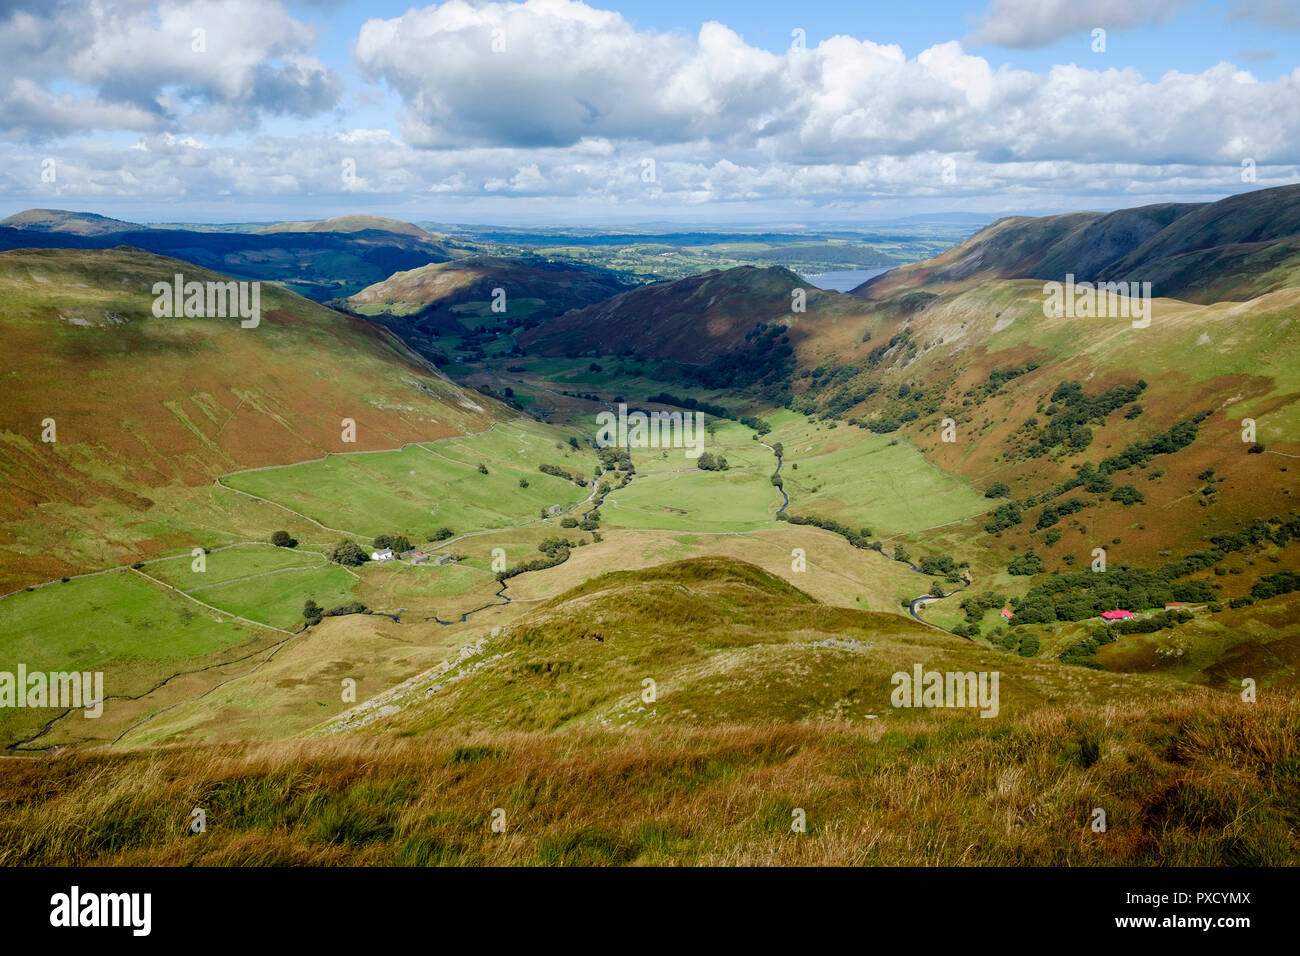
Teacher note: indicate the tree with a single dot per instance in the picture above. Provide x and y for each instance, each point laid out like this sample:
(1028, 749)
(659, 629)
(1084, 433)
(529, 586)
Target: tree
(523, 482)
(1128, 495)
(383, 541)
(482, 468)
(936, 590)
(400, 543)
(999, 489)
(348, 554)
(312, 612)
(281, 539)
(900, 553)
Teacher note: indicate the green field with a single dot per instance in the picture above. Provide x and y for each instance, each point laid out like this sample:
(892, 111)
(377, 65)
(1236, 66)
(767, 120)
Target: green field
(134, 631)
(422, 488)
(877, 481)
(670, 492)
(277, 599)
(229, 564)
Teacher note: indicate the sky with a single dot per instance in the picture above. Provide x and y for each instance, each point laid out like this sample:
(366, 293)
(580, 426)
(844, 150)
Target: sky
(700, 111)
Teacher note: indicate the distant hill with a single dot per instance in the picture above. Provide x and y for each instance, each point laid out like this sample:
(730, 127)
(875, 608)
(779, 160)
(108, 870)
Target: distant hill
(350, 224)
(1233, 249)
(63, 221)
(694, 320)
(421, 304)
(148, 411)
(322, 264)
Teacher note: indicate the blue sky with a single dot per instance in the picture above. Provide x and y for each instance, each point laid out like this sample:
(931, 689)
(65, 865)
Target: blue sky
(701, 111)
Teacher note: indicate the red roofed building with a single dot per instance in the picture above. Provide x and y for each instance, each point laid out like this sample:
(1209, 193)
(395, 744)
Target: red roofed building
(1006, 613)
(1117, 615)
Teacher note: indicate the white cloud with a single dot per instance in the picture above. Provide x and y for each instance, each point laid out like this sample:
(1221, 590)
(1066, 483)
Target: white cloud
(149, 65)
(1034, 23)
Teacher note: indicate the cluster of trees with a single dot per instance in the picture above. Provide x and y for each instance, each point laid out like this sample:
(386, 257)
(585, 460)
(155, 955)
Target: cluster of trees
(1003, 517)
(997, 378)
(856, 538)
(312, 612)
(711, 462)
(398, 542)
(1079, 595)
(766, 357)
(1025, 565)
(999, 489)
(1284, 582)
(349, 554)
(558, 472)
(1084, 652)
(1071, 411)
(1054, 513)
(977, 605)
(555, 551)
(936, 565)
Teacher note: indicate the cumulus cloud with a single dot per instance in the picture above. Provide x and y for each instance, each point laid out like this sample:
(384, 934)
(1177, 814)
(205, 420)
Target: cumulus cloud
(554, 100)
(557, 73)
(148, 65)
(1035, 23)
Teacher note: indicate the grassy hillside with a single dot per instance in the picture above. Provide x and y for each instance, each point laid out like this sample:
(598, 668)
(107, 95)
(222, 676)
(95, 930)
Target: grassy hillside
(149, 411)
(767, 703)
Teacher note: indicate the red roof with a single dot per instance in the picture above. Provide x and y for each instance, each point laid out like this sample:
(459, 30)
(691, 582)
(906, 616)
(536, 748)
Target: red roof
(1006, 612)
(1116, 615)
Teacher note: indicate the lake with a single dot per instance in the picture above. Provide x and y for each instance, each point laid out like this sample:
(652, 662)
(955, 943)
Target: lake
(844, 280)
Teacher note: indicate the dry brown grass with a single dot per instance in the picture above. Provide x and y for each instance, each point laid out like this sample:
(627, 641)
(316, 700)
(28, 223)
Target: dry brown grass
(1200, 781)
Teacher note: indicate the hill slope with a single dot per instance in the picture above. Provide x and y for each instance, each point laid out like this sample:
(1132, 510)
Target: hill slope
(149, 410)
(1233, 249)
(767, 708)
(695, 320)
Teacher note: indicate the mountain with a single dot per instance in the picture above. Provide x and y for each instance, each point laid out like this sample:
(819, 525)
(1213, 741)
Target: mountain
(696, 320)
(1234, 249)
(63, 221)
(149, 411)
(425, 304)
(348, 224)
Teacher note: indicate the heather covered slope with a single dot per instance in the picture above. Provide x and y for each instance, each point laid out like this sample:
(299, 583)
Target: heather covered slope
(1235, 249)
(149, 411)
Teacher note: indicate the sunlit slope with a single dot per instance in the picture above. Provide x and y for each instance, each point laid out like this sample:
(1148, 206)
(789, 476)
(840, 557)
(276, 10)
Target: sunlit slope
(723, 641)
(147, 411)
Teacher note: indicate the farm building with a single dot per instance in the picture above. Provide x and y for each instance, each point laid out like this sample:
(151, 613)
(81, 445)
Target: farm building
(1117, 615)
(383, 554)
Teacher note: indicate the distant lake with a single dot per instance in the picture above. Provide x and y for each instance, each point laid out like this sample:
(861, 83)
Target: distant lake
(844, 280)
